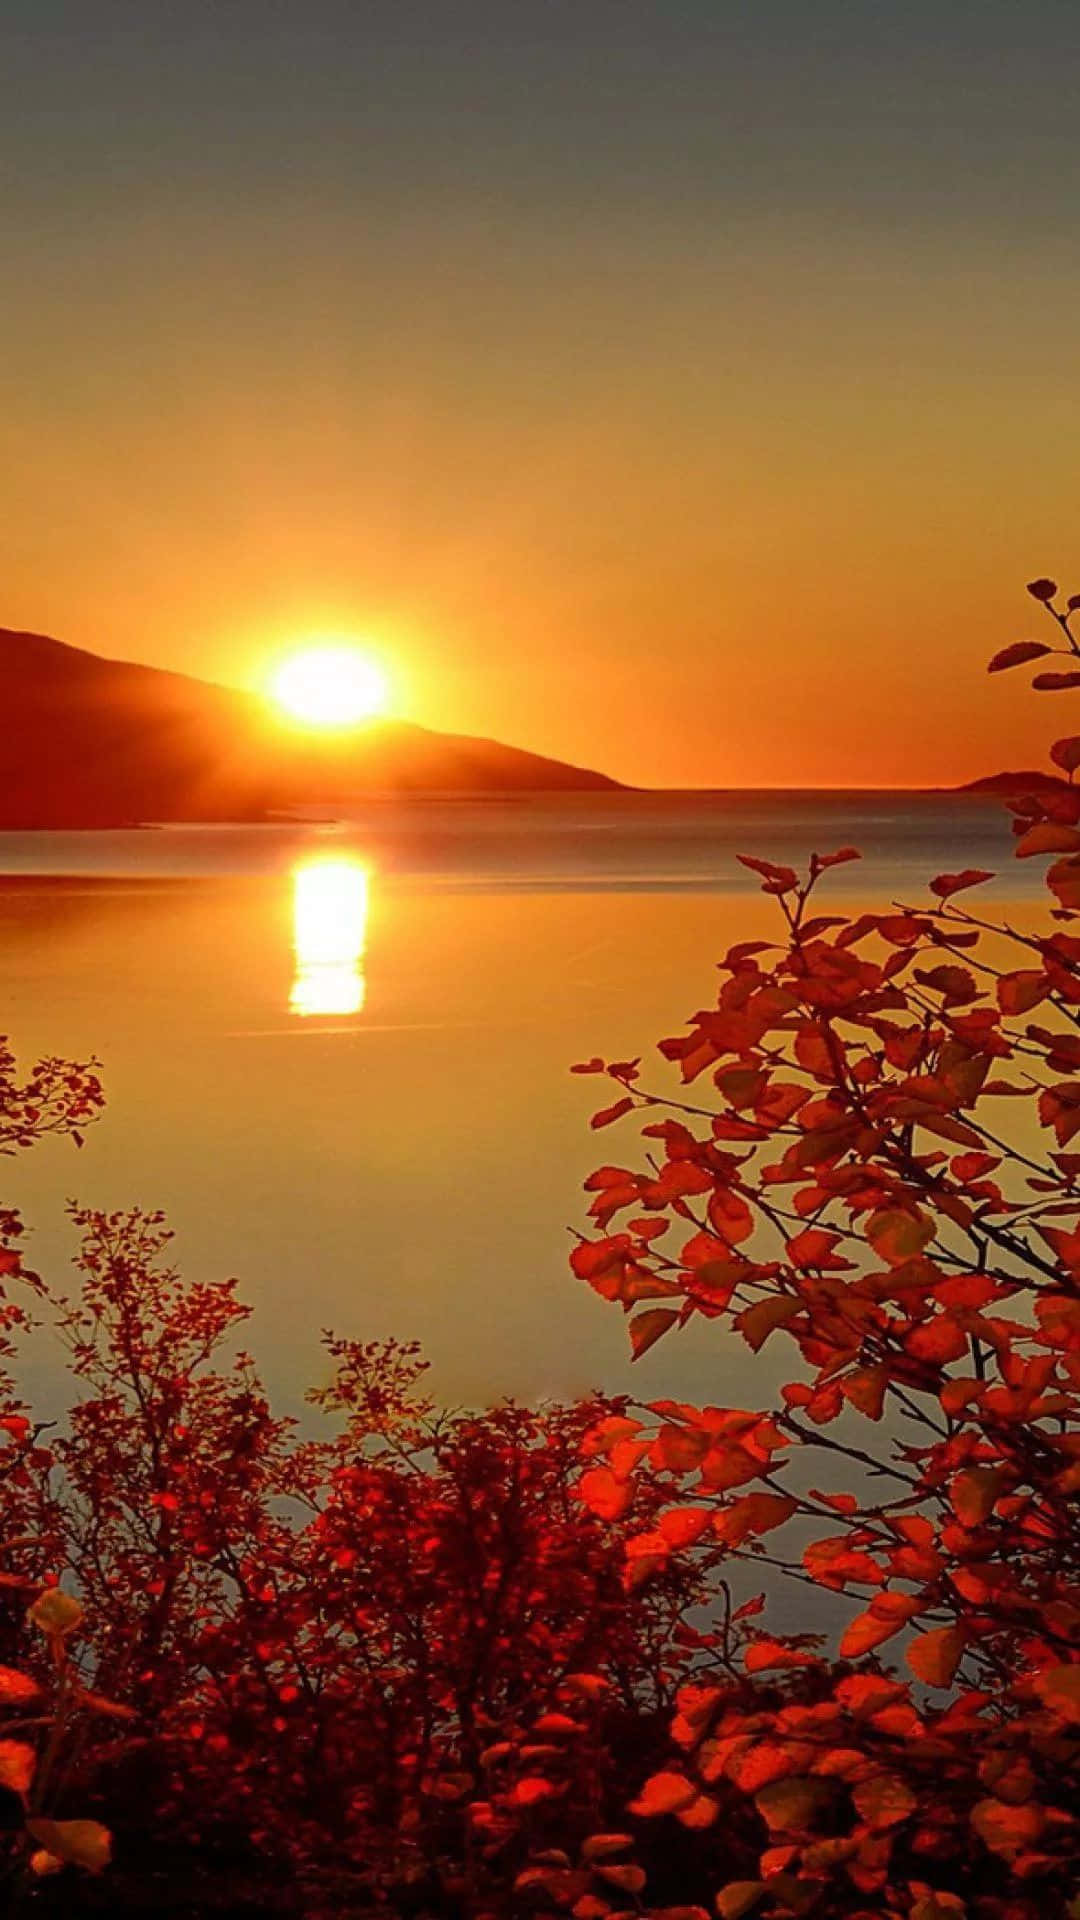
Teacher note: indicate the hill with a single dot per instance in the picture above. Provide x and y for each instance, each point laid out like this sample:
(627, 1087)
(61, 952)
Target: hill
(91, 742)
(1014, 783)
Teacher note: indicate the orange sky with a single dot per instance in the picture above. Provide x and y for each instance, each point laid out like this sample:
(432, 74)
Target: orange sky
(707, 450)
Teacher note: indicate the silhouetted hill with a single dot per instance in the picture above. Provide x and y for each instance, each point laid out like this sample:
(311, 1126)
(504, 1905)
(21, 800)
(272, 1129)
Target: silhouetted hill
(91, 742)
(1014, 783)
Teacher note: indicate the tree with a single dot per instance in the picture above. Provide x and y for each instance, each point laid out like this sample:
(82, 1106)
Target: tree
(884, 1179)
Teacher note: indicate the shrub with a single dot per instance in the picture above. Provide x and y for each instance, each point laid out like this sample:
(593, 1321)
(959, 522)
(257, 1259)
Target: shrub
(316, 1674)
(884, 1179)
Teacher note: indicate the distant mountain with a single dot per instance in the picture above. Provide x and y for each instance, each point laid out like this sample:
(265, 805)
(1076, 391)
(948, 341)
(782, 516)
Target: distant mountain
(1014, 783)
(89, 742)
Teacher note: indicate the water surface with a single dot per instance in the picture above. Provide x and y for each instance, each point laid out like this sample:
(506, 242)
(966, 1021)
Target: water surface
(337, 1054)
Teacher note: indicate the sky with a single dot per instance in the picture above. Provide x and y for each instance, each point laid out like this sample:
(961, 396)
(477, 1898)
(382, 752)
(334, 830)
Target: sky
(685, 388)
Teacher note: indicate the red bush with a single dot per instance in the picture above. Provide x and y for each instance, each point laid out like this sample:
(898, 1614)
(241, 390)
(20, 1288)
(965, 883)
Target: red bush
(378, 1666)
(885, 1182)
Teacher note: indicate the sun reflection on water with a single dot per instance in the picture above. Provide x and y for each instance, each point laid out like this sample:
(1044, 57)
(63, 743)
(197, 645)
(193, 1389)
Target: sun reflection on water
(330, 912)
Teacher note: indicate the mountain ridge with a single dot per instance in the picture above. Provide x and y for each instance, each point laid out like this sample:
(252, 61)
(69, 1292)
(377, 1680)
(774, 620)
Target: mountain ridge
(91, 741)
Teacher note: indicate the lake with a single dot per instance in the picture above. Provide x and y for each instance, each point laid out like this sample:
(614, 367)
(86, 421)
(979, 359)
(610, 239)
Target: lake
(337, 1055)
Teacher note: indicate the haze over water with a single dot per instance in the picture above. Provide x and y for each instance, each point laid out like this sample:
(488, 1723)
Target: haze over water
(337, 1055)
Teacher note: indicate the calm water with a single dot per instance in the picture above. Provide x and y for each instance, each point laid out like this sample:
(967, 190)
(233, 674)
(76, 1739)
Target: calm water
(337, 1055)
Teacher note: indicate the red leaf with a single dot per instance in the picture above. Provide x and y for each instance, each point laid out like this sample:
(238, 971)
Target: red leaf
(884, 1800)
(1063, 878)
(533, 1788)
(868, 1693)
(815, 1247)
(729, 1216)
(765, 1655)
(1015, 655)
(897, 1237)
(1007, 1830)
(1047, 837)
(757, 1322)
(16, 1688)
(775, 879)
(750, 1608)
(754, 1513)
(935, 1656)
(955, 983)
(607, 1114)
(739, 1897)
(975, 1492)
(865, 1389)
(647, 1328)
(1059, 1689)
(17, 1762)
(603, 1494)
(839, 1502)
(822, 860)
(1055, 682)
(681, 1526)
(1066, 753)
(938, 1340)
(628, 1879)
(1019, 992)
(790, 1805)
(948, 883)
(885, 1615)
(663, 1793)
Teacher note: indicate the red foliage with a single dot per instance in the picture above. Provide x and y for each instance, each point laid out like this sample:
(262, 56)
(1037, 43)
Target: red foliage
(884, 1183)
(367, 1668)
(59, 1098)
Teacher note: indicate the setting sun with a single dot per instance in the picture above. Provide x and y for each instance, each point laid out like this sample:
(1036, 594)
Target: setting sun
(330, 686)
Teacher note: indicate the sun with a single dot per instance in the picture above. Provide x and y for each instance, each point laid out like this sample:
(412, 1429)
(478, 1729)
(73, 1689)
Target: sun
(330, 686)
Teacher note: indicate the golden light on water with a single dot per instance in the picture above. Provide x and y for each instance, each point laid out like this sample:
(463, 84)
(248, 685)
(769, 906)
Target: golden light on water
(330, 913)
(334, 686)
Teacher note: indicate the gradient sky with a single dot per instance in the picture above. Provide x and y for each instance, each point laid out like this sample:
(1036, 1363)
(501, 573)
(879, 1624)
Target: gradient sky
(682, 387)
